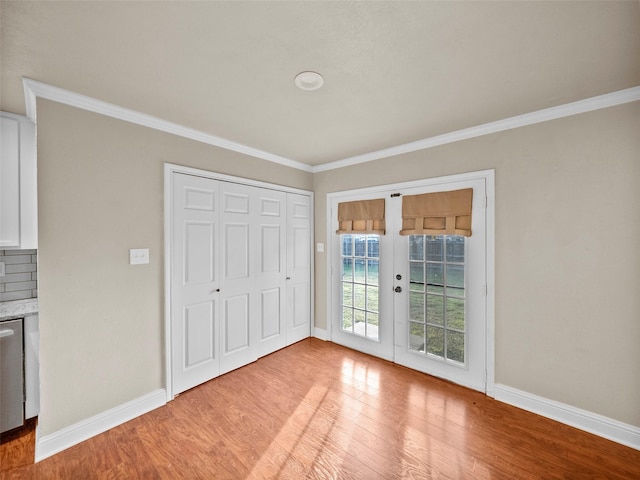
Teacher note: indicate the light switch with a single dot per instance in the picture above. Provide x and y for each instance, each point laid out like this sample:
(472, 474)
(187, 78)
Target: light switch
(138, 256)
(320, 247)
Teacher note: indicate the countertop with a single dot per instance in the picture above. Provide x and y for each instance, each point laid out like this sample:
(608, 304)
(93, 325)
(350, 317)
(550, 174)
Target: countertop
(18, 309)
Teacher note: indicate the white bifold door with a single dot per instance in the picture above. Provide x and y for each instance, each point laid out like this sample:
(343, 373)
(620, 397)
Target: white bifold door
(240, 275)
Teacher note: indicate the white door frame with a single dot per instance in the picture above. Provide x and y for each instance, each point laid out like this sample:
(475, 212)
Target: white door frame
(489, 177)
(169, 171)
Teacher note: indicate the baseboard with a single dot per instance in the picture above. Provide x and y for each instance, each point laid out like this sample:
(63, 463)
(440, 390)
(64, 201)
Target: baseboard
(605, 427)
(73, 434)
(320, 333)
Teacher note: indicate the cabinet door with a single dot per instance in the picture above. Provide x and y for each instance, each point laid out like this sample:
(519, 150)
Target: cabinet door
(18, 179)
(9, 183)
(11, 375)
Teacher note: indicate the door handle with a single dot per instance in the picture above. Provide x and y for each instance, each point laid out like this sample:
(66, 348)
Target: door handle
(6, 333)
(398, 289)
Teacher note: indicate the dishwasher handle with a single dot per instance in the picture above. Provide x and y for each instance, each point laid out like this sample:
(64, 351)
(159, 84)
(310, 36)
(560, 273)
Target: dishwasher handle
(6, 333)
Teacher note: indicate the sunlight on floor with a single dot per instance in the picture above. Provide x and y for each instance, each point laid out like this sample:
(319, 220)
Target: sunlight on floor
(286, 443)
(359, 375)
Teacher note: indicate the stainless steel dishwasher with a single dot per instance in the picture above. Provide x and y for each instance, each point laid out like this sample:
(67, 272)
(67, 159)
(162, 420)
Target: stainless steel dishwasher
(11, 375)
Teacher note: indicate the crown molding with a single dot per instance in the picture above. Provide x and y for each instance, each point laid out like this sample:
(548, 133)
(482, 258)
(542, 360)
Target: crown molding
(582, 106)
(34, 89)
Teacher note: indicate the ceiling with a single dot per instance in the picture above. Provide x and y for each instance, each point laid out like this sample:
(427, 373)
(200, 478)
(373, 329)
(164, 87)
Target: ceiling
(395, 72)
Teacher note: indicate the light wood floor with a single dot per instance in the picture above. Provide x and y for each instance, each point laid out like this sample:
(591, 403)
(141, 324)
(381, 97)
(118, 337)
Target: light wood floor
(317, 410)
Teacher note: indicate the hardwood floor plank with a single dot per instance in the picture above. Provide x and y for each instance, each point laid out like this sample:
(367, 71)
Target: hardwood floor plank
(316, 410)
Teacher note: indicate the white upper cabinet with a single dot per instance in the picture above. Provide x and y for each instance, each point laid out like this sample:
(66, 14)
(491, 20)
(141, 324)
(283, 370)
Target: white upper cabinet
(18, 178)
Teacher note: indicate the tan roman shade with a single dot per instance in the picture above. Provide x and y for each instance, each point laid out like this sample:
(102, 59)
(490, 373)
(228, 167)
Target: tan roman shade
(439, 213)
(363, 216)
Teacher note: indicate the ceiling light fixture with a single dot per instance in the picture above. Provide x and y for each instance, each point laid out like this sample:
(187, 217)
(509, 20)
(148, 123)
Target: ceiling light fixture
(309, 80)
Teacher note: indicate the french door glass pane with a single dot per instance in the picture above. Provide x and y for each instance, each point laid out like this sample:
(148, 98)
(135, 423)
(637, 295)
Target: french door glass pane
(359, 272)
(434, 249)
(435, 341)
(360, 292)
(416, 337)
(347, 294)
(347, 269)
(416, 276)
(359, 296)
(436, 314)
(372, 272)
(416, 247)
(435, 309)
(347, 318)
(455, 346)
(416, 306)
(455, 313)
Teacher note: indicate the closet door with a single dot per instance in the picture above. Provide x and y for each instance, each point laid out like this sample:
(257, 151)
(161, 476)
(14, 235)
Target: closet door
(195, 306)
(239, 282)
(271, 251)
(240, 275)
(298, 267)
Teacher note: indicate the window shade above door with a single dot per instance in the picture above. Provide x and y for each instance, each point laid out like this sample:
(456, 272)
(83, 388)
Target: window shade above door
(438, 213)
(362, 216)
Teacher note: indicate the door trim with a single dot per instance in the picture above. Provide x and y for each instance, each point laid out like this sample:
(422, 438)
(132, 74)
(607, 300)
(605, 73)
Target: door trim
(489, 177)
(171, 169)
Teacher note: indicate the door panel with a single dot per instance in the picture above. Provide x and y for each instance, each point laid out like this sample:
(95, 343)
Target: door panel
(238, 279)
(298, 284)
(300, 302)
(271, 245)
(199, 328)
(270, 314)
(237, 323)
(236, 202)
(199, 264)
(236, 250)
(194, 283)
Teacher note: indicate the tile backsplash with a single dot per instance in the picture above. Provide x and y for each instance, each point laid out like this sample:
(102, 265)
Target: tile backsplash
(21, 275)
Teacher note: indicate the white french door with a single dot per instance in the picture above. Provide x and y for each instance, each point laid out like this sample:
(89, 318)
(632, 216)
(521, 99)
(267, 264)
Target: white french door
(425, 307)
(361, 281)
(440, 297)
